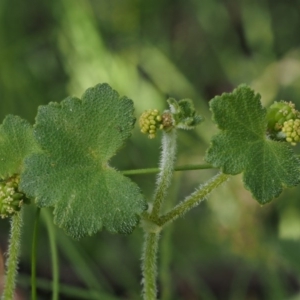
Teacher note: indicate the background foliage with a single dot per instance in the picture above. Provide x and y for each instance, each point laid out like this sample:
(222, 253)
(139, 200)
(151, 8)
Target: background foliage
(229, 247)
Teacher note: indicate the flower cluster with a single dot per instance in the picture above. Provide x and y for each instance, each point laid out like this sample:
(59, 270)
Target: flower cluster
(280, 112)
(284, 122)
(291, 130)
(150, 121)
(11, 199)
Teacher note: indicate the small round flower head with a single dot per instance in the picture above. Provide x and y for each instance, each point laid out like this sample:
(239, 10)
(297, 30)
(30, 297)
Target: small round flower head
(280, 112)
(291, 130)
(11, 199)
(150, 121)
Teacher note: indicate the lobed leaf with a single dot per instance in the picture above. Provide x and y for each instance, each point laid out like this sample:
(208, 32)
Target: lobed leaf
(16, 142)
(73, 175)
(244, 146)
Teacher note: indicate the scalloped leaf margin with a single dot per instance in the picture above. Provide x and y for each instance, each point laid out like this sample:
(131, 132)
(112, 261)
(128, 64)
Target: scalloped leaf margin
(78, 137)
(243, 146)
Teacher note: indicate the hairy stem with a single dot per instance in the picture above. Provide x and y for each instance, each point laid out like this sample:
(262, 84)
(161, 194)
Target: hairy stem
(192, 200)
(34, 254)
(149, 267)
(13, 256)
(54, 256)
(166, 167)
(149, 263)
(165, 261)
(166, 253)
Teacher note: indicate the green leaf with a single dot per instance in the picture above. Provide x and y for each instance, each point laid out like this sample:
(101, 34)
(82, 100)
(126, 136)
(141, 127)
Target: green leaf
(16, 142)
(73, 175)
(243, 146)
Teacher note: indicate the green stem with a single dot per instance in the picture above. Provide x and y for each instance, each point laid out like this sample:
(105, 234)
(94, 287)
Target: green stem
(156, 170)
(166, 255)
(165, 261)
(149, 265)
(54, 256)
(168, 154)
(34, 254)
(13, 258)
(192, 200)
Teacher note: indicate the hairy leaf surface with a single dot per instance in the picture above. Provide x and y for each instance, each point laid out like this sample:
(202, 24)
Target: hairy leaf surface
(16, 142)
(243, 146)
(73, 175)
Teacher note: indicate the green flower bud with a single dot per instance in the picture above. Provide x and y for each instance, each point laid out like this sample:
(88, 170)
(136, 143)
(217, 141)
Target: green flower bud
(291, 131)
(11, 199)
(150, 121)
(167, 121)
(280, 112)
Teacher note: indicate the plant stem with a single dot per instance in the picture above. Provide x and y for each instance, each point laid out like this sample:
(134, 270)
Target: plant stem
(149, 265)
(166, 167)
(165, 261)
(13, 258)
(156, 170)
(166, 245)
(54, 256)
(192, 200)
(34, 254)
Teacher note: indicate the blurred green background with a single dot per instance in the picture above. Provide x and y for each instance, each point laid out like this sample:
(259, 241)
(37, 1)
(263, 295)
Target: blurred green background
(229, 247)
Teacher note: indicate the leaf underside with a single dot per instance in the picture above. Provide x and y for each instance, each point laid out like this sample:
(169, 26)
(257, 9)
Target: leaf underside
(73, 175)
(243, 146)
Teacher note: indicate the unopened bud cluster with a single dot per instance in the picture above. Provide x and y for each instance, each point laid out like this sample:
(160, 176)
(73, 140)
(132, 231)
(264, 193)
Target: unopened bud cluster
(181, 115)
(280, 112)
(284, 122)
(150, 121)
(11, 199)
(291, 130)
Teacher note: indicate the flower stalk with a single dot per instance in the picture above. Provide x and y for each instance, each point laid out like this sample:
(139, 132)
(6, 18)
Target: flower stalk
(149, 257)
(168, 155)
